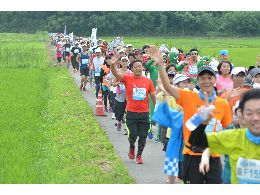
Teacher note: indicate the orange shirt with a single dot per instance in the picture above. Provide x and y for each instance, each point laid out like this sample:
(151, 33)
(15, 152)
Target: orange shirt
(190, 101)
(137, 90)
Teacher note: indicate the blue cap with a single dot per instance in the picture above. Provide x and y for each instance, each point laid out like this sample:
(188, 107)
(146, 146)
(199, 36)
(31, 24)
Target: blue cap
(224, 52)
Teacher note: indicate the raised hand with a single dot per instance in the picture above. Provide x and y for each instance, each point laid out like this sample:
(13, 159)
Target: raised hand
(206, 110)
(155, 55)
(160, 85)
(113, 60)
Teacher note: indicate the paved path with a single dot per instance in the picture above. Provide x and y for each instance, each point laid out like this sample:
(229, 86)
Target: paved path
(151, 172)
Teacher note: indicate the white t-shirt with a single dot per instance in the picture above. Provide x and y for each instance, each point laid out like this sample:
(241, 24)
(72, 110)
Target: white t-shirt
(98, 62)
(214, 64)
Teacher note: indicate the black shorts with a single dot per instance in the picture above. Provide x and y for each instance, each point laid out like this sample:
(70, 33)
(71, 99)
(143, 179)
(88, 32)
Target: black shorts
(191, 174)
(59, 59)
(74, 63)
(84, 71)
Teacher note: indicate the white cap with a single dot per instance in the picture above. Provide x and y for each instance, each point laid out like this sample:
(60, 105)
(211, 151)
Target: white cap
(128, 45)
(237, 70)
(124, 57)
(98, 50)
(121, 50)
(179, 77)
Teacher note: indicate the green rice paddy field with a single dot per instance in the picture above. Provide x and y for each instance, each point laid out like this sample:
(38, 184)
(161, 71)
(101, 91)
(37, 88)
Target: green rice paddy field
(48, 133)
(242, 51)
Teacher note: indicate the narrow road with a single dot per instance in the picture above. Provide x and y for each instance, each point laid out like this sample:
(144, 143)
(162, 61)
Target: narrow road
(151, 172)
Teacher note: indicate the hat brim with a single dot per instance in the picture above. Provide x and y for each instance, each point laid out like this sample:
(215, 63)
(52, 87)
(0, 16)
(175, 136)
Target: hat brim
(212, 72)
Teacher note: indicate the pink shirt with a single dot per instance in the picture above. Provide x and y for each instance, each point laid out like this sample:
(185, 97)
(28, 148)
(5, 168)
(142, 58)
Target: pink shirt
(224, 83)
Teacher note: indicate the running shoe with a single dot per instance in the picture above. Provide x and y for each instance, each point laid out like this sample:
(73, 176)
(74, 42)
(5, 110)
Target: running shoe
(119, 126)
(125, 133)
(113, 116)
(150, 135)
(131, 153)
(139, 159)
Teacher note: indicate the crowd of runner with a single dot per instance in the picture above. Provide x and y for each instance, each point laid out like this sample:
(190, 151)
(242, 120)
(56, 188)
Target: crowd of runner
(205, 111)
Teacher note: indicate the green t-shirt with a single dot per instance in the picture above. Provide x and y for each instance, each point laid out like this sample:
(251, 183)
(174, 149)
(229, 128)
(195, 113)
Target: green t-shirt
(153, 69)
(243, 154)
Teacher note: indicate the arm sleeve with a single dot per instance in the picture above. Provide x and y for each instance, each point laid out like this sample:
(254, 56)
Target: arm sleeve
(149, 64)
(180, 67)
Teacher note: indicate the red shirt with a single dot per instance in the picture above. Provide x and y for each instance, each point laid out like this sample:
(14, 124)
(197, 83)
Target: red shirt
(137, 90)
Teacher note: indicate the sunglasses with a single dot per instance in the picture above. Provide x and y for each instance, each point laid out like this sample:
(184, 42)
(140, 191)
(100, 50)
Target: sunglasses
(124, 61)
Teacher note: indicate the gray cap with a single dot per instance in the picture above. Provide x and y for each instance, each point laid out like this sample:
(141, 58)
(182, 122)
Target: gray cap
(204, 69)
(254, 72)
(248, 81)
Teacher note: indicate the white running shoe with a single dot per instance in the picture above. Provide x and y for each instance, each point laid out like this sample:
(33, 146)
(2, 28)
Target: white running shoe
(113, 116)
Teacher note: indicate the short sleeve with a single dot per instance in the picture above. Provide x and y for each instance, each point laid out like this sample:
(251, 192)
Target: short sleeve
(223, 142)
(227, 119)
(124, 79)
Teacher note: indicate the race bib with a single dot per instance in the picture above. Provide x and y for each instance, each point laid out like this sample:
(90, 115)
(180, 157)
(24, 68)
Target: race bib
(139, 93)
(122, 87)
(97, 72)
(248, 171)
(193, 70)
(85, 61)
(76, 51)
(211, 125)
(67, 49)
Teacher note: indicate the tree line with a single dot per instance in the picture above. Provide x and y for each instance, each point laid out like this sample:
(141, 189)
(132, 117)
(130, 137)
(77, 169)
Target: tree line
(129, 23)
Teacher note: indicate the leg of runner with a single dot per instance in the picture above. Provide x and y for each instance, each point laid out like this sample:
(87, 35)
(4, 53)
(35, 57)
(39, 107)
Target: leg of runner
(105, 94)
(142, 134)
(97, 84)
(138, 125)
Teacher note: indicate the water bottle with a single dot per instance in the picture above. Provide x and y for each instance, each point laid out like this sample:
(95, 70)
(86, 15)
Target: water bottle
(219, 126)
(199, 118)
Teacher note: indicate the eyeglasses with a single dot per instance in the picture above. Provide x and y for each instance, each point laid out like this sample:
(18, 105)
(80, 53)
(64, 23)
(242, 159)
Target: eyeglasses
(124, 61)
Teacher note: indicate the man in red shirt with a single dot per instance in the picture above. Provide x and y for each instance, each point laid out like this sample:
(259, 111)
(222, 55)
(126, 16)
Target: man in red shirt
(137, 89)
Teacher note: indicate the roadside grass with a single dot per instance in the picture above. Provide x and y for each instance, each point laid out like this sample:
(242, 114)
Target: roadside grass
(242, 51)
(79, 150)
(48, 132)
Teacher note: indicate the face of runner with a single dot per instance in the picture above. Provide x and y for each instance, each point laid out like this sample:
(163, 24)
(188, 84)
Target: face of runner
(239, 79)
(124, 63)
(206, 82)
(224, 57)
(251, 116)
(137, 68)
(225, 69)
(98, 54)
(130, 48)
(194, 55)
(131, 58)
(184, 84)
(84, 48)
(256, 79)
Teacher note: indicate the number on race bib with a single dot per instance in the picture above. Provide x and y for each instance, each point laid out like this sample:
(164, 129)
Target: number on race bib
(248, 171)
(85, 61)
(139, 93)
(193, 70)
